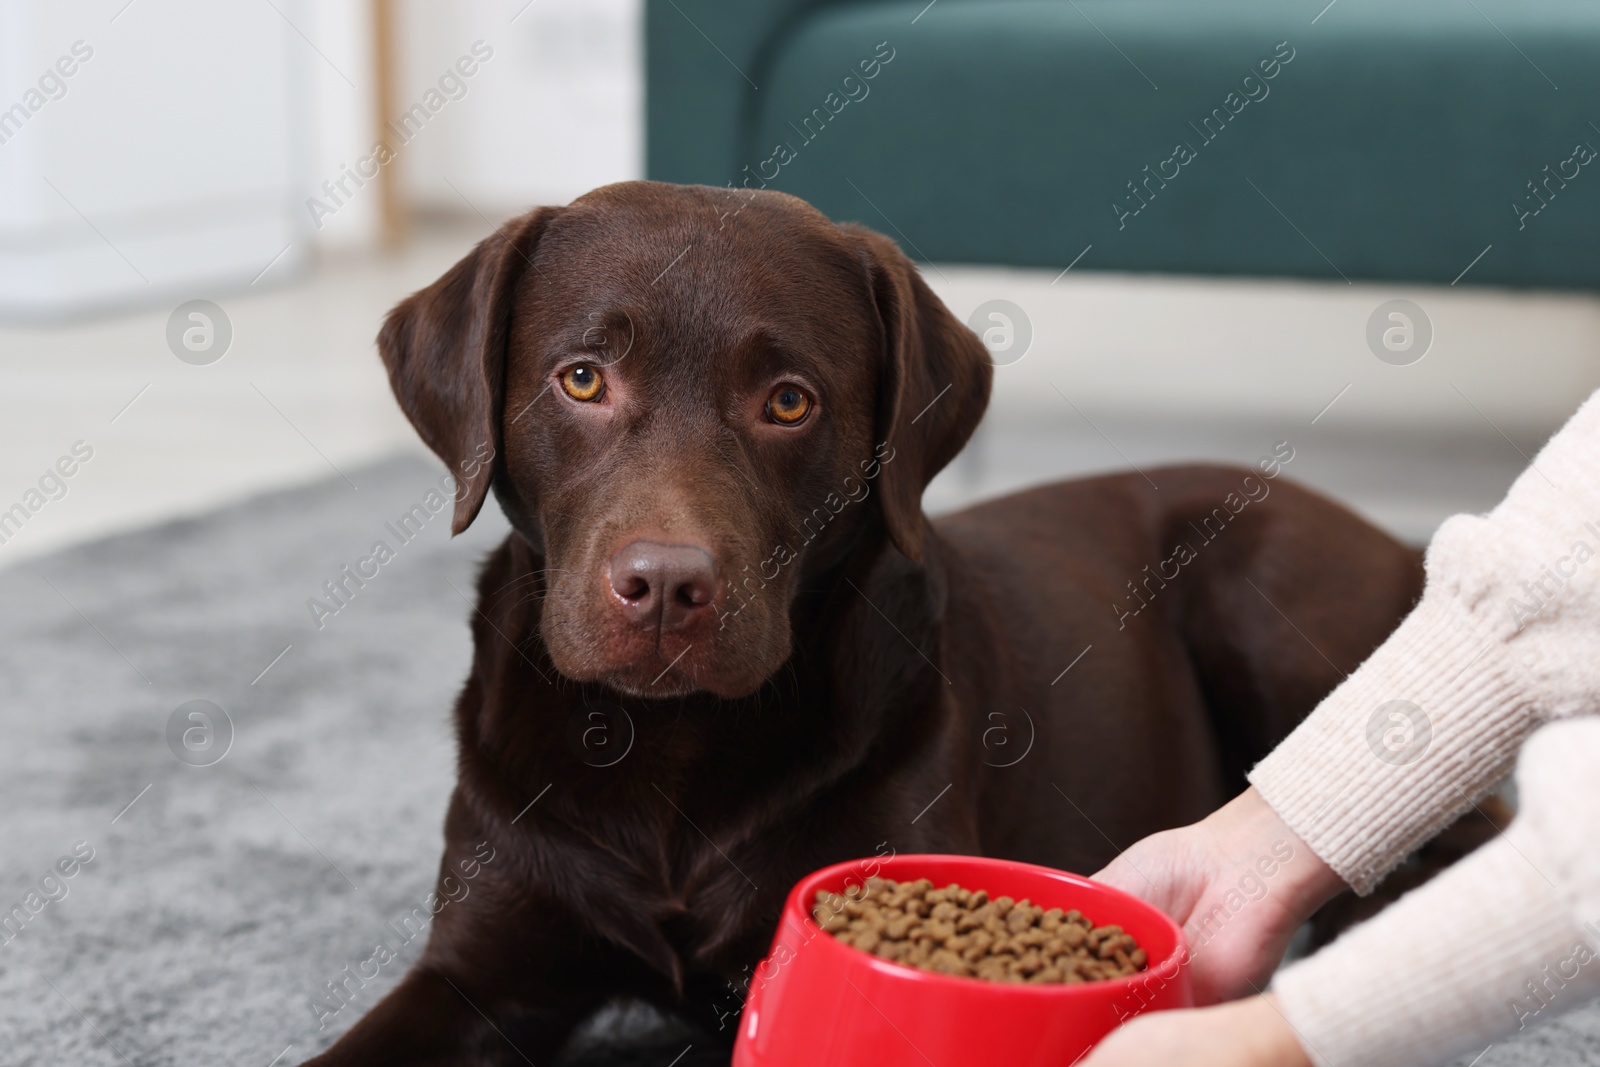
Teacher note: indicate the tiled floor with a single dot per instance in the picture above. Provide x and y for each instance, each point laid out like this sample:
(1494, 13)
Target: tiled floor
(1122, 371)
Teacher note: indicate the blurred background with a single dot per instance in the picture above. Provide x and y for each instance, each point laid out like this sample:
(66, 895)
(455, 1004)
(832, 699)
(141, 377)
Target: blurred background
(215, 151)
(1171, 307)
(1188, 229)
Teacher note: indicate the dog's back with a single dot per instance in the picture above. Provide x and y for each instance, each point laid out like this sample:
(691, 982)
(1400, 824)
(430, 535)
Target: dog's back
(1153, 635)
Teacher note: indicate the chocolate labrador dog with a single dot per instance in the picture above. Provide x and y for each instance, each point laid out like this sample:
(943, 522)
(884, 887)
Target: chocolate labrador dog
(723, 646)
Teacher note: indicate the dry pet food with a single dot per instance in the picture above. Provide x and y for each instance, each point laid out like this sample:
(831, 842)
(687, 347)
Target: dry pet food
(965, 932)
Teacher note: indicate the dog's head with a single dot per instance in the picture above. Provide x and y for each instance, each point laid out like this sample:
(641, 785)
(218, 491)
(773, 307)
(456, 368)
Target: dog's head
(687, 399)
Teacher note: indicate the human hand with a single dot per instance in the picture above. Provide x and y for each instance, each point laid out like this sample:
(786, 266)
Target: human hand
(1239, 881)
(1245, 1033)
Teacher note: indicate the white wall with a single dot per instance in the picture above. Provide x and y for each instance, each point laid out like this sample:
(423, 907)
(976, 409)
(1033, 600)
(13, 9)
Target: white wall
(1171, 347)
(341, 120)
(556, 111)
(165, 166)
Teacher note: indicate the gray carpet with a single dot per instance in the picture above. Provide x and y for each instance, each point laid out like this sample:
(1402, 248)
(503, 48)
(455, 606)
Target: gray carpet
(221, 899)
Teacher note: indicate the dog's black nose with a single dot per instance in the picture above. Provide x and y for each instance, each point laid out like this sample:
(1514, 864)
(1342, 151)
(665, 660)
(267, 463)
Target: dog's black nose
(672, 584)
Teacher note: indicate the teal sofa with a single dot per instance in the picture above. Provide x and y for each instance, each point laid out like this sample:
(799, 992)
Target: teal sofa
(1415, 140)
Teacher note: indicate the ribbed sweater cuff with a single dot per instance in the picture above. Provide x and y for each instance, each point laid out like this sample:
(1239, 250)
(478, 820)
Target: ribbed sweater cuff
(1428, 724)
(1486, 949)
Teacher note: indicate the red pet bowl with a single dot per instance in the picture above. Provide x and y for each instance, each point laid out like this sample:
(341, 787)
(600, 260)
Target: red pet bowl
(815, 1002)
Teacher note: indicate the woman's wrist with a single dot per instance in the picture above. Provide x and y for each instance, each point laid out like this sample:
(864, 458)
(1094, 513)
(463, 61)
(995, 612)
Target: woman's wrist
(1254, 834)
(1274, 1037)
(1243, 1033)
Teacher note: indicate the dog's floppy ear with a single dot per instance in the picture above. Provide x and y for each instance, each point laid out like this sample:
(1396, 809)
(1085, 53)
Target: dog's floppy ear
(933, 386)
(445, 348)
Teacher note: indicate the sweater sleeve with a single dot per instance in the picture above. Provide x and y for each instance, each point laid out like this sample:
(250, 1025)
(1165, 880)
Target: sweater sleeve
(1508, 937)
(1503, 641)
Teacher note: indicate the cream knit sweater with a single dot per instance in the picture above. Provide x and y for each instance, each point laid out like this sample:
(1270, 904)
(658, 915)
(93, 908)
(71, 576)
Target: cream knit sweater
(1504, 643)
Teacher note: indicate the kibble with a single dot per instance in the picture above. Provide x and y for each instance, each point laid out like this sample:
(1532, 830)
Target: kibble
(967, 933)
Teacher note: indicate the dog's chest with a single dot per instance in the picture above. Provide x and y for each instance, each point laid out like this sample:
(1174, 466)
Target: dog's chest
(679, 899)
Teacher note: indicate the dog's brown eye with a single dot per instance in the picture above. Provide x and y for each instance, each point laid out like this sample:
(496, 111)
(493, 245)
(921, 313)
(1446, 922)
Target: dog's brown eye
(583, 382)
(788, 405)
